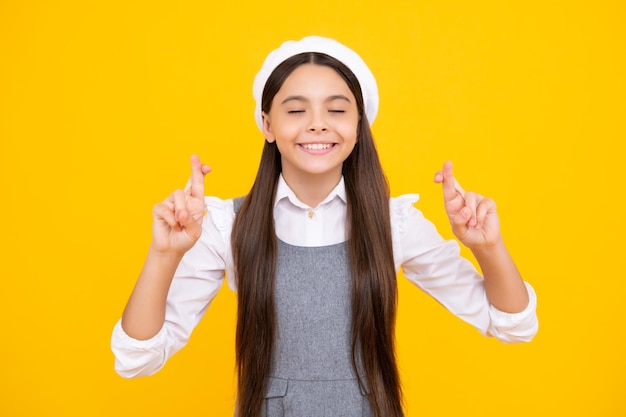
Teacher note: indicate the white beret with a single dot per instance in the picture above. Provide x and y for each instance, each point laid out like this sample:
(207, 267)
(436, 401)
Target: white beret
(326, 46)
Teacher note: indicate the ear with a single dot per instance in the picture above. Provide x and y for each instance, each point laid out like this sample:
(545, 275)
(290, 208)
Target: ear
(267, 128)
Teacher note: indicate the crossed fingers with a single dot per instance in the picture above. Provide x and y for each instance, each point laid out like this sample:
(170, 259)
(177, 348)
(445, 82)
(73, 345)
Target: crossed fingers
(465, 209)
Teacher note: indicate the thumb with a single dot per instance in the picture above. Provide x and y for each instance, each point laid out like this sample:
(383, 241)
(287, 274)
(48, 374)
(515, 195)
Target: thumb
(193, 226)
(460, 218)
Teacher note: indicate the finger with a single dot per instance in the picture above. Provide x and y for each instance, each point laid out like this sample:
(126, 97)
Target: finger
(195, 185)
(180, 206)
(165, 213)
(458, 188)
(459, 223)
(447, 172)
(471, 200)
(198, 216)
(193, 228)
(485, 207)
(451, 187)
(184, 217)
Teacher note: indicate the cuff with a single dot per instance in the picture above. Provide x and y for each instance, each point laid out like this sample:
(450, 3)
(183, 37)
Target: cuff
(516, 327)
(135, 357)
(120, 339)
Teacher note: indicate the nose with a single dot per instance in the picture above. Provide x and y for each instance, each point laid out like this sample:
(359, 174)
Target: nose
(314, 129)
(317, 123)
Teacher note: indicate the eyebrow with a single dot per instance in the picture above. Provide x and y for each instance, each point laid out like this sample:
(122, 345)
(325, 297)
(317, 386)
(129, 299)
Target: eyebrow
(329, 99)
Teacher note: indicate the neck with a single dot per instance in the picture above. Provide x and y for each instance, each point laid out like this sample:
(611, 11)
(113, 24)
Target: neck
(312, 189)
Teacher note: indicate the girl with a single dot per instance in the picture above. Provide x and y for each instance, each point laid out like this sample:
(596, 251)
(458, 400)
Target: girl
(313, 251)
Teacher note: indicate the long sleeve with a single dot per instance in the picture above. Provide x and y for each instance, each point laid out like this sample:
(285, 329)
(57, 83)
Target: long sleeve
(436, 267)
(196, 281)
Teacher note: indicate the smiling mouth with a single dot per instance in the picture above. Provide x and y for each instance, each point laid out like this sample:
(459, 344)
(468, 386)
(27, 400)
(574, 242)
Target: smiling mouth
(317, 146)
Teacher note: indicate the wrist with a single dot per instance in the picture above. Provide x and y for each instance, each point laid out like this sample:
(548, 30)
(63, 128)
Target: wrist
(489, 249)
(165, 254)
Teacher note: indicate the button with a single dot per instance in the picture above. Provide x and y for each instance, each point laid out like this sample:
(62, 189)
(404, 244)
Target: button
(311, 214)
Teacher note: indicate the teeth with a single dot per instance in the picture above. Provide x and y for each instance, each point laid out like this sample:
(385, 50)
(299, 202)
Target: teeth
(317, 146)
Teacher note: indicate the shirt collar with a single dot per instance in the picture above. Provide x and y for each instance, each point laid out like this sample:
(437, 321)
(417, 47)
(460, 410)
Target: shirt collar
(283, 192)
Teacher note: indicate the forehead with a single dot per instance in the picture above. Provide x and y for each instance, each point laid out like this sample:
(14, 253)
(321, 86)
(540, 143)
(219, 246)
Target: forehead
(313, 78)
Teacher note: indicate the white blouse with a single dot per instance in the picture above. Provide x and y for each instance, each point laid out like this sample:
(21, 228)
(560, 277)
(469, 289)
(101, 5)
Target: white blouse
(426, 259)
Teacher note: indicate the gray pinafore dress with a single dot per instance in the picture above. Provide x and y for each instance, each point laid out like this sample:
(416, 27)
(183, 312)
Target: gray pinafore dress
(311, 373)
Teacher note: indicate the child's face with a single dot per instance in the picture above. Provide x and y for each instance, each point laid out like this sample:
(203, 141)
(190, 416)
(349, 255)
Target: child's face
(313, 120)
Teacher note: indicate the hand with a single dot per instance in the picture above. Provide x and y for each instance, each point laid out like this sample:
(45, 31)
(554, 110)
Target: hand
(473, 217)
(178, 220)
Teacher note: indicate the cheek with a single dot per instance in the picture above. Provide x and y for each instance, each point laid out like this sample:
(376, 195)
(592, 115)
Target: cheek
(286, 134)
(286, 128)
(349, 131)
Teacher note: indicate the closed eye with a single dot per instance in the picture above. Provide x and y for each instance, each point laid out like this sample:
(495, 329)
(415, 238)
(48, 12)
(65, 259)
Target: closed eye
(295, 111)
(336, 111)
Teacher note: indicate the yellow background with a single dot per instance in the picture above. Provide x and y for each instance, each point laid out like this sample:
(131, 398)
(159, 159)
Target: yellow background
(102, 102)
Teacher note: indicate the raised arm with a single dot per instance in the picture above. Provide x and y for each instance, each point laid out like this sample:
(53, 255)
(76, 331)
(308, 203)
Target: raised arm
(176, 227)
(476, 225)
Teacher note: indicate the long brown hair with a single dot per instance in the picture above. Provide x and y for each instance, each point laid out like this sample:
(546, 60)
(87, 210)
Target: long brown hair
(374, 287)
